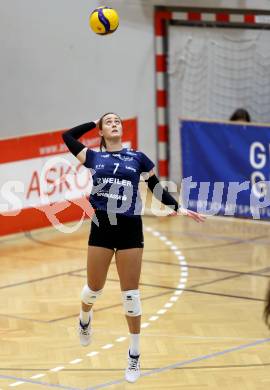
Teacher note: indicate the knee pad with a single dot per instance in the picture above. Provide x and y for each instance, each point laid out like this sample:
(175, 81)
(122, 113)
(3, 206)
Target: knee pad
(132, 303)
(88, 296)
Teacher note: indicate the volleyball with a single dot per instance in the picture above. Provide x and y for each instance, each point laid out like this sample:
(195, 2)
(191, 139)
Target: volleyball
(104, 20)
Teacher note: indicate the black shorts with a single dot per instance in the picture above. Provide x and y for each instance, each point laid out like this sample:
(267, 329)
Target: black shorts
(127, 233)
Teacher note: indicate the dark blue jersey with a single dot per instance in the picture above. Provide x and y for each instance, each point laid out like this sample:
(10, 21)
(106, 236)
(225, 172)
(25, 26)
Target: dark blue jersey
(116, 177)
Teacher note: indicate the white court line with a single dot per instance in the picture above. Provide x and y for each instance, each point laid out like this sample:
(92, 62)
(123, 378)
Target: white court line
(16, 384)
(75, 361)
(178, 292)
(107, 346)
(145, 324)
(56, 369)
(161, 311)
(153, 318)
(183, 275)
(183, 281)
(148, 229)
(181, 285)
(93, 353)
(120, 339)
(182, 262)
(37, 376)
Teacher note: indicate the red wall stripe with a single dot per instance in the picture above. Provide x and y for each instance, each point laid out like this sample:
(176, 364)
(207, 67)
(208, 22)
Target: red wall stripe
(161, 64)
(29, 146)
(194, 16)
(161, 98)
(250, 18)
(225, 18)
(163, 168)
(163, 133)
(160, 18)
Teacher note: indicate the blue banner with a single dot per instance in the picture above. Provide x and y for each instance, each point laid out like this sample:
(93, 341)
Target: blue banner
(226, 168)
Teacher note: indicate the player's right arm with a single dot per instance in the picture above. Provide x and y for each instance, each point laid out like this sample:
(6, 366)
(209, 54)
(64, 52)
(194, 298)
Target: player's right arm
(71, 137)
(166, 198)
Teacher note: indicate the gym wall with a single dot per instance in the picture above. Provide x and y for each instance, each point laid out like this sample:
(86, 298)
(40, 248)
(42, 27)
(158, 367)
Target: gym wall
(55, 73)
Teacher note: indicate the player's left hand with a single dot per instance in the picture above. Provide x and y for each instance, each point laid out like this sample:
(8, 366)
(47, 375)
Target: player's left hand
(189, 213)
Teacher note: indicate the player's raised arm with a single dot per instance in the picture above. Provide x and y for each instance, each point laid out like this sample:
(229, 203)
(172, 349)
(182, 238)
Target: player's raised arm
(71, 137)
(165, 197)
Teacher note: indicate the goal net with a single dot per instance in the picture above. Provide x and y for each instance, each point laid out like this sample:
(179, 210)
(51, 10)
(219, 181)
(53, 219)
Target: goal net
(211, 73)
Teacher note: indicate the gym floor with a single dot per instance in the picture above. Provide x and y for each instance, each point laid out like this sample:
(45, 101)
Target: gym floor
(202, 288)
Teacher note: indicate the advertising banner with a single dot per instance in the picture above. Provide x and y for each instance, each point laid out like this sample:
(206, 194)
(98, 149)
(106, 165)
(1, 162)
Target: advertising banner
(42, 183)
(226, 168)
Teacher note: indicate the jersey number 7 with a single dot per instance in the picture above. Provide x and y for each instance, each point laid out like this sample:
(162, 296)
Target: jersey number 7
(116, 167)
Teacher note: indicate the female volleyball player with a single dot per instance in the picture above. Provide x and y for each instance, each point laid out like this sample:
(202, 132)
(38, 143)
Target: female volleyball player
(117, 226)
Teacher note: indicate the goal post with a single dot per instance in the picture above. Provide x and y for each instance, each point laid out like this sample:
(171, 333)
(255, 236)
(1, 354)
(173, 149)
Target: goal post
(166, 22)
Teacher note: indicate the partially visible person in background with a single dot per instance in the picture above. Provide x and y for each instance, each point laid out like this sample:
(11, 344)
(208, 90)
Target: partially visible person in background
(267, 308)
(240, 115)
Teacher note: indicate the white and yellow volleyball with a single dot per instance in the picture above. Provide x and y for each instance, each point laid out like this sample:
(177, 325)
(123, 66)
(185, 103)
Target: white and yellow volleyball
(104, 20)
